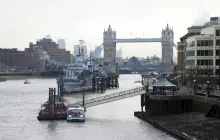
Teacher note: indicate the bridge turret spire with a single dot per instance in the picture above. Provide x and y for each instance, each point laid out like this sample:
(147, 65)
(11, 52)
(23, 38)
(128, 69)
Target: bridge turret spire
(109, 29)
(167, 27)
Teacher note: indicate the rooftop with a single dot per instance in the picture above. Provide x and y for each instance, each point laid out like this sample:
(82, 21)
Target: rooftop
(163, 82)
(188, 35)
(195, 27)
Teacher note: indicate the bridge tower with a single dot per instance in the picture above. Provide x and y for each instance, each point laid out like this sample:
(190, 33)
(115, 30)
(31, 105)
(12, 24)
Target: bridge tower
(109, 50)
(167, 46)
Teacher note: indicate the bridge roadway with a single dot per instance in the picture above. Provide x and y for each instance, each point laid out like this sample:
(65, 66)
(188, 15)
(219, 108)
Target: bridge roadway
(133, 40)
(113, 97)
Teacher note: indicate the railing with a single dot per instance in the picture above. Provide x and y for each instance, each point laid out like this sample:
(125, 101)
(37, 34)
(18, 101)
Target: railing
(114, 95)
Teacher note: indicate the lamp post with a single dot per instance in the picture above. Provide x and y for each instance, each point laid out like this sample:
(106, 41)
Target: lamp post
(208, 87)
(194, 86)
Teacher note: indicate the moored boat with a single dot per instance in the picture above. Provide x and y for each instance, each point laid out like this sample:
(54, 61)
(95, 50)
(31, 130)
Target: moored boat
(76, 114)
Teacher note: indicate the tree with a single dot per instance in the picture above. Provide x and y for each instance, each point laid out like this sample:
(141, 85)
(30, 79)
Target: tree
(191, 73)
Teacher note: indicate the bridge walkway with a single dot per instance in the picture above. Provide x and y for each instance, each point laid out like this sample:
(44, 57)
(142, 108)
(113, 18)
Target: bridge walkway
(112, 97)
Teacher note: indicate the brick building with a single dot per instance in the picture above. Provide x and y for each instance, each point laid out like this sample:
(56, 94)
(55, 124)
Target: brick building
(52, 48)
(19, 60)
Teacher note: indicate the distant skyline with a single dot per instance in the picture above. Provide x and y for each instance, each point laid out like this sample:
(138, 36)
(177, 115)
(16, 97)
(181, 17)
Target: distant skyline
(25, 21)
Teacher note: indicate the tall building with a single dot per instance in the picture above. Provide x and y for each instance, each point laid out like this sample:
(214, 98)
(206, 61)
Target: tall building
(109, 50)
(76, 50)
(119, 53)
(167, 47)
(48, 45)
(85, 50)
(61, 44)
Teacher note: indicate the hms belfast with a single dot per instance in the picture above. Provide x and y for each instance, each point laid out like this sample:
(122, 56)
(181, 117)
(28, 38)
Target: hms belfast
(82, 75)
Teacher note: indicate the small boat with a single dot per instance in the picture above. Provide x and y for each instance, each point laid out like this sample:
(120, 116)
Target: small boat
(26, 82)
(2, 79)
(76, 114)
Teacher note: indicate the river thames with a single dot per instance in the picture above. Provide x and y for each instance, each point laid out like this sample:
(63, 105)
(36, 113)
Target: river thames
(20, 104)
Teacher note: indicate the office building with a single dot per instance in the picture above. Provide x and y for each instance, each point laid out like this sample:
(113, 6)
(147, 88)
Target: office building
(194, 30)
(61, 44)
(202, 53)
(76, 50)
(119, 53)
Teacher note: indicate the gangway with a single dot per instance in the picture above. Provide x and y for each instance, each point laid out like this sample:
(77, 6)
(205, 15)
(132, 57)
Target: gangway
(113, 97)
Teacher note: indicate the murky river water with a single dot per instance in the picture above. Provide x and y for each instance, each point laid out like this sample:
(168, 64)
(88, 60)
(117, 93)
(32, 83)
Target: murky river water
(20, 103)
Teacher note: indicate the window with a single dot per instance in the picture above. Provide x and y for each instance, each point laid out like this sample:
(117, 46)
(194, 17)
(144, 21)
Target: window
(210, 52)
(210, 62)
(198, 42)
(217, 52)
(204, 52)
(204, 42)
(217, 43)
(210, 42)
(217, 61)
(217, 71)
(217, 33)
(198, 62)
(205, 62)
(190, 53)
(202, 62)
(190, 62)
(198, 53)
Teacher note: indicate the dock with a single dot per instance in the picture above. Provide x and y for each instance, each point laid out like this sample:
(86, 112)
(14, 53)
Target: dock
(179, 114)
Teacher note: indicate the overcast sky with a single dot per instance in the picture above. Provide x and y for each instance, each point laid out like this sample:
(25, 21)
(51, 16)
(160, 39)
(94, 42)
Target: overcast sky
(24, 21)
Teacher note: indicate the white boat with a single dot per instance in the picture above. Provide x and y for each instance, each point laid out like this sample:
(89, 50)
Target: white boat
(76, 114)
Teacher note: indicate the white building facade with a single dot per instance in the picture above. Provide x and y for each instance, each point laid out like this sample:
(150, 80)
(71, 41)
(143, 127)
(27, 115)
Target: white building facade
(202, 52)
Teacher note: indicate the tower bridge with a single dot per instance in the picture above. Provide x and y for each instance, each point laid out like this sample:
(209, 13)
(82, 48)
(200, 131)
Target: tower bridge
(110, 40)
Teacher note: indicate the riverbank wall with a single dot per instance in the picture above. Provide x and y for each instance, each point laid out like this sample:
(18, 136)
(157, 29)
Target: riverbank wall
(184, 117)
(54, 74)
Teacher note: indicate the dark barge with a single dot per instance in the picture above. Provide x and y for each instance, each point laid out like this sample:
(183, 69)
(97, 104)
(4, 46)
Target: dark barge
(54, 109)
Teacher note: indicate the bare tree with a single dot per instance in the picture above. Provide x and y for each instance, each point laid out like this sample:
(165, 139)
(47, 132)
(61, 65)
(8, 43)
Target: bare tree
(192, 73)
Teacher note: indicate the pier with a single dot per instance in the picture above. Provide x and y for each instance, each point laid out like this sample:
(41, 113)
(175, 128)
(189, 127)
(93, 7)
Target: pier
(99, 83)
(179, 114)
(112, 80)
